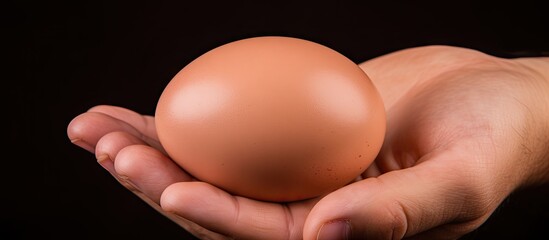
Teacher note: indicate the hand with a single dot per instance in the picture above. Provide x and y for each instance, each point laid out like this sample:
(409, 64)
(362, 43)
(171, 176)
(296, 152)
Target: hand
(126, 145)
(464, 131)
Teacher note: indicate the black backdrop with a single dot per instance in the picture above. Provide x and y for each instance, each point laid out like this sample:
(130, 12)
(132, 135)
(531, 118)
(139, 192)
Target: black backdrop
(64, 57)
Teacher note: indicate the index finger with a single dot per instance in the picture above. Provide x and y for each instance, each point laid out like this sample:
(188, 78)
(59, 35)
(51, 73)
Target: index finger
(142, 123)
(86, 129)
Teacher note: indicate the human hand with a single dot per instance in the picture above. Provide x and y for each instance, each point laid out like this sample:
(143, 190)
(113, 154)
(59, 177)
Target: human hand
(464, 131)
(125, 144)
(451, 155)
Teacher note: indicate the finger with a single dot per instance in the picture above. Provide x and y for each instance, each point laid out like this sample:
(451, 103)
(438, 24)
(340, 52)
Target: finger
(148, 170)
(107, 150)
(189, 226)
(143, 123)
(398, 204)
(108, 146)
(235, 216)
(86, 129)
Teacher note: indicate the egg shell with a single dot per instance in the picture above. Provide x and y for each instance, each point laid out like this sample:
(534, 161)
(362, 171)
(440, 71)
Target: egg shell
(272, 118)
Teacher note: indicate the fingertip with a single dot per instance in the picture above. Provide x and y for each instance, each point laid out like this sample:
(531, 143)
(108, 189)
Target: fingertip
(83, 144)
(106, 162)
(86, 129)
(77, 133)
(331, 209)
(339, 229)
(359, 210)
(112, 143)
(148, 169)
(171, 197)
(180, 197)
(100, 108)
(127, 164)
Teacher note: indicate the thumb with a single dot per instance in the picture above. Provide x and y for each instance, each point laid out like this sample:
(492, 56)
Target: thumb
(429, 200)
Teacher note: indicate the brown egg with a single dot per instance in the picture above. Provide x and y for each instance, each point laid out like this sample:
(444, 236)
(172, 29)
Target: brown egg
(272, 118)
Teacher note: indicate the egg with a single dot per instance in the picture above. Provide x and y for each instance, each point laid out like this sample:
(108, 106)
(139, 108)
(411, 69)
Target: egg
(272, 118)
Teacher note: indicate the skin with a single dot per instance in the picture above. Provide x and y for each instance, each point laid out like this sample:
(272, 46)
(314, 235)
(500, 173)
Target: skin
(464, 131)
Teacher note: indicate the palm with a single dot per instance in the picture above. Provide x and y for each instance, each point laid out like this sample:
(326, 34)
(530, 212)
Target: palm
(449, 137)
(427, 111)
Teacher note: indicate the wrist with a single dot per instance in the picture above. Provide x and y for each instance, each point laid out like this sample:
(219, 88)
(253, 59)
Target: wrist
(542, 66)
(538, 145)
(544, 174)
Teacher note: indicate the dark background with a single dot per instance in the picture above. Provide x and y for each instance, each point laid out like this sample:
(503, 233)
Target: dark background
(63, 57)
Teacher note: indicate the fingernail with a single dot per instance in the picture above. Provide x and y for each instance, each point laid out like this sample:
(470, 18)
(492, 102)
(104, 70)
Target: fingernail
(129, 184)
(83, 144)
(105, 161)
(334, 230)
